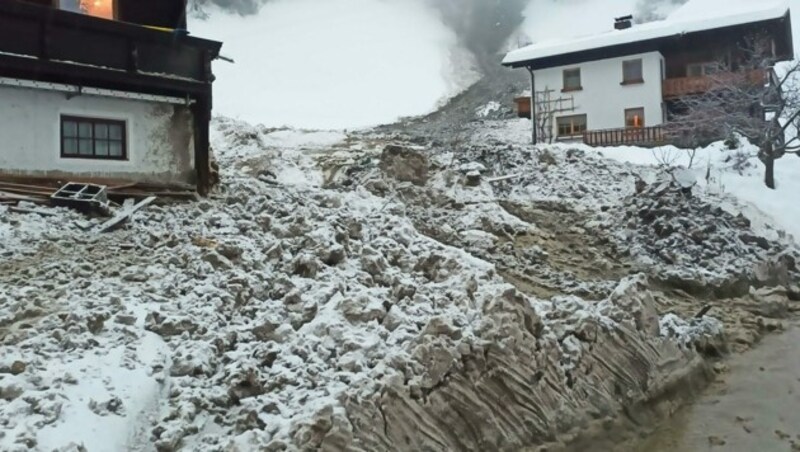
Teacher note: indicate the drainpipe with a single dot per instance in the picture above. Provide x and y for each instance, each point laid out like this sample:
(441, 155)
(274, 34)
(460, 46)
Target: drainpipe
(533, 105)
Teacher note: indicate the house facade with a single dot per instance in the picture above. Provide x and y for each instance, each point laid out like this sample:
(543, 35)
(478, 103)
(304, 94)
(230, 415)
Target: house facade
(622, 87)
(104, 90)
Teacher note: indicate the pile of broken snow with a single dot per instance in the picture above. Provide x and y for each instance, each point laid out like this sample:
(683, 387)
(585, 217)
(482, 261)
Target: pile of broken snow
(288, 316)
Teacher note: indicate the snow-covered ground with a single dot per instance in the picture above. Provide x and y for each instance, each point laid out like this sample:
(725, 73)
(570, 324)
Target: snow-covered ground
(309, 305)
(335, 63)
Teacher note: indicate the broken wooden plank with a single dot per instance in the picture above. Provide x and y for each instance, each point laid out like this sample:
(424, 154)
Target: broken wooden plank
(123, 216)
(25, 186)
(144, 194)
(25, 191)
(123, 186)
(502, 178)
(18, 197)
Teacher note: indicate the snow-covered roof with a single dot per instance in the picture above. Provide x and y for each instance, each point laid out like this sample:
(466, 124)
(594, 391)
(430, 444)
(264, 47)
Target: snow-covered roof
(695, 16)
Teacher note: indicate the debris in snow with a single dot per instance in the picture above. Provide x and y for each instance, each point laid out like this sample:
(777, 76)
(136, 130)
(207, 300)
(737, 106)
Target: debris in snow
(85, 198)
(686, 331)
(472, 167)
(405, 164)
(489, 110)
(502, 178)
(41, 212)
(360, 298)
(127, 211)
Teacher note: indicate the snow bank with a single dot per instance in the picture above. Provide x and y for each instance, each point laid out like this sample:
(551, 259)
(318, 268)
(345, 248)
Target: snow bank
(335, 63)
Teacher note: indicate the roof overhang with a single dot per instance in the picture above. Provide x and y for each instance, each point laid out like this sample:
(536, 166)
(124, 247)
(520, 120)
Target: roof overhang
(642, 39)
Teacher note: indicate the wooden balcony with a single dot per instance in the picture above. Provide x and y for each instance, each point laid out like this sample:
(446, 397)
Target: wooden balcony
(639, 136)
(675, 88)
(46, 44)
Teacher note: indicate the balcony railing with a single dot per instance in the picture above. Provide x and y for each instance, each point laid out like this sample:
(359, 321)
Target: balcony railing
(639, 136)
(674, 88)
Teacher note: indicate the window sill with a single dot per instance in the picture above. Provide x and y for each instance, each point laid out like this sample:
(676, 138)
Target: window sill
(91, 157)
(571, 90)
(632, 82)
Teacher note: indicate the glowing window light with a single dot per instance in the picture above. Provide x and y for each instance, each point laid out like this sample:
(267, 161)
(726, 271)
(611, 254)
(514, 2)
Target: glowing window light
(96, 8)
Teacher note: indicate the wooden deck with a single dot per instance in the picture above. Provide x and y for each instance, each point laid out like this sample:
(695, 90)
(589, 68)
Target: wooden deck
(641, 136)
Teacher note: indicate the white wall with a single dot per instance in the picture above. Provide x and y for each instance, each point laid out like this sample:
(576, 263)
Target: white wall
(160, 137)
(603, 98)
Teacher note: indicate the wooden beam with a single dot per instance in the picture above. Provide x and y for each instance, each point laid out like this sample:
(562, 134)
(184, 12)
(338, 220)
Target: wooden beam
(202, 143)
(124, 215)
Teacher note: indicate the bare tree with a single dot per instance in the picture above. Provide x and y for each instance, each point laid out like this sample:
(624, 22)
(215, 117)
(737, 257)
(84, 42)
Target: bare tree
(745, 96)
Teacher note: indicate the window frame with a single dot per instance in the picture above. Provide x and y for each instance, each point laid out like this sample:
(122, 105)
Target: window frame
(707, 69)
(567, 89)
(635, 109)
(94, 122)
(633, 81)
(114, 10)
(572, 134)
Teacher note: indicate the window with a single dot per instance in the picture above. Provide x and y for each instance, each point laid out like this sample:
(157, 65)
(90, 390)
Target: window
(572, 80)
(89, 138)
(632, 72)
(701, 69)
(570, 126)
(98, 8)
(634, 118)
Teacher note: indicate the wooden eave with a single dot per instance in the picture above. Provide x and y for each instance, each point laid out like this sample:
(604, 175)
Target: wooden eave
(13, 66)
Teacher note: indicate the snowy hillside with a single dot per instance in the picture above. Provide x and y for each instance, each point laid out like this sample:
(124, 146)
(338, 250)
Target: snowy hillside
(335, 63)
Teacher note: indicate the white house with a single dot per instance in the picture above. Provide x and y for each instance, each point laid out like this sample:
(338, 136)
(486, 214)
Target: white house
(621, 86)
(104, 90)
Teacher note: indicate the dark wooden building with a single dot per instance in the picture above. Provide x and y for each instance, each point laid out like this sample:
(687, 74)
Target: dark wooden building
(107, 89)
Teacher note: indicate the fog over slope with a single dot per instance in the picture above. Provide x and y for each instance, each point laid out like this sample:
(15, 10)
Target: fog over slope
(335, 63)
(483, 26)
(357, 63)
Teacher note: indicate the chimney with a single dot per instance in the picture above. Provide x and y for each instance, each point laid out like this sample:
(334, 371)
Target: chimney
(623, 23)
